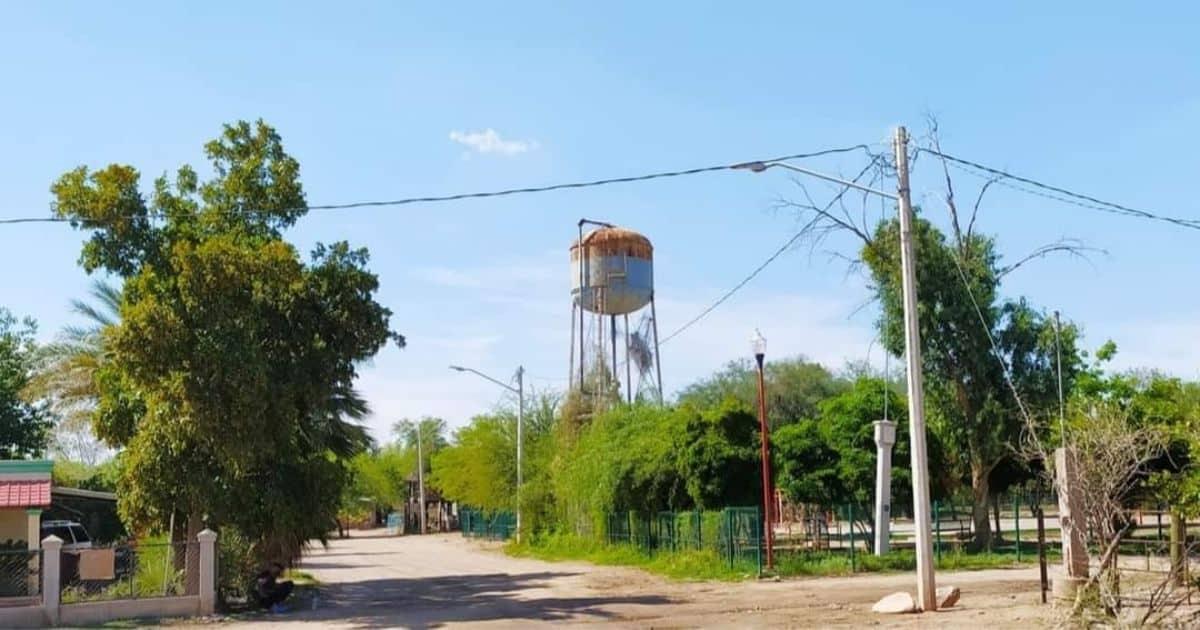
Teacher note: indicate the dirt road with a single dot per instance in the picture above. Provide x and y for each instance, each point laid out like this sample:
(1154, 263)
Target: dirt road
(435, 581)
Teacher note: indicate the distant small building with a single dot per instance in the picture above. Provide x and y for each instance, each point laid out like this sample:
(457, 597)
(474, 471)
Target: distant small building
(440, 515)
(24, 494)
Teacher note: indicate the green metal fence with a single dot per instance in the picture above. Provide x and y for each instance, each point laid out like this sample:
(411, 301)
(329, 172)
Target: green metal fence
(735, 533)
(495, 525)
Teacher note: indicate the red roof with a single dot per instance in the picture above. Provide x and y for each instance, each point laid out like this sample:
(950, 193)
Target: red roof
(25, 493)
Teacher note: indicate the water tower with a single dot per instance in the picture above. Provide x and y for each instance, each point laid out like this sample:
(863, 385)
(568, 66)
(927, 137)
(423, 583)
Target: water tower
(612, 277)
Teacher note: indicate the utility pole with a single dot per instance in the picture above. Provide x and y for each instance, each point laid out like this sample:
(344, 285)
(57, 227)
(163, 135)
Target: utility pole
(421, 476)
(520, 441)
(926, 586)
(1062, 408)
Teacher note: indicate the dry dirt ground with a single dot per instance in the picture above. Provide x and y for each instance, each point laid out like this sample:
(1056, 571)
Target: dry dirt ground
(444, 580)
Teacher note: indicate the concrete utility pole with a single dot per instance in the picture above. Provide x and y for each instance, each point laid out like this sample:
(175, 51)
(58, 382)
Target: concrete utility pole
(520, 441)
(421, 477)
(926, 586)
(885, 437)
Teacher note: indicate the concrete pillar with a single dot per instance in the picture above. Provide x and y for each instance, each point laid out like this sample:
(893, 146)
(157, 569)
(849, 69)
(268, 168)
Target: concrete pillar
(1071, 523)
(51, 577)
(885, 437)
(33, 540)
(208, 571)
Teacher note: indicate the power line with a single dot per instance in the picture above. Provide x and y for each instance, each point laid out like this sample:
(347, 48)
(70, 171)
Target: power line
(1061, 194)
(770, 259)
(473, 195)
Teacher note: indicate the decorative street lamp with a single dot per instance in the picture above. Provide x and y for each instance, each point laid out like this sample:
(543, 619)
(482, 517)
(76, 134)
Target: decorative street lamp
(759, 345)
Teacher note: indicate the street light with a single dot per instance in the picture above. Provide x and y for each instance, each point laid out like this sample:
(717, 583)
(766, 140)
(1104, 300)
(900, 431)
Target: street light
(926, 586)
(758, 344)
(519, 390)
(758, 167)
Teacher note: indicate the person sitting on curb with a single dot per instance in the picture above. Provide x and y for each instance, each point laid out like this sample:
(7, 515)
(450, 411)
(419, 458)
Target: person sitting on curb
(271, 593)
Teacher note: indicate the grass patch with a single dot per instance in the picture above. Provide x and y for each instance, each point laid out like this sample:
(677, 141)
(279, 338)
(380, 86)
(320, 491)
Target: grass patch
(708, 564)
(679, 565)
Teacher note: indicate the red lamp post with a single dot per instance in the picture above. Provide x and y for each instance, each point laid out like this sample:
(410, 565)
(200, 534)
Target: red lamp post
(759, 344)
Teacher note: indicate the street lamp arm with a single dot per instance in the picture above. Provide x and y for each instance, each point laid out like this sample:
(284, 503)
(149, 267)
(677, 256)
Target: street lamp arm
(458, 368)
(759, 167)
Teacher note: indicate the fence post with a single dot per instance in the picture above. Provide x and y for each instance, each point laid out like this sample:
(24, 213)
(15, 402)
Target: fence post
(51, 577)
(762, 540)
(937, 530)
(208, 573)
(1017, 522)
(853, 558)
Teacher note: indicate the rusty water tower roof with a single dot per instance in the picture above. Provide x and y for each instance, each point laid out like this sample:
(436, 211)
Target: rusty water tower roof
(611, 241)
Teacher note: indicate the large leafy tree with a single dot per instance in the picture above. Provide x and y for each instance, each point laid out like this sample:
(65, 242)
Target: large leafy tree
(795, 388)
(229, 380)
(970, 336)
(719, 454)
(24, 426)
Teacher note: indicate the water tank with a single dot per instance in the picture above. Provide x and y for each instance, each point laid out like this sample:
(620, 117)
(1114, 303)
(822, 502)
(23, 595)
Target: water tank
(617, 274)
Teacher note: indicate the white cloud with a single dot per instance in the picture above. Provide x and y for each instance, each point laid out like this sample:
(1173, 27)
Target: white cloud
(489, 141)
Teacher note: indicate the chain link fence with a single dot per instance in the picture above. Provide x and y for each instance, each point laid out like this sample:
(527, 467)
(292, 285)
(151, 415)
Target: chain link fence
(134, 571)
(495, 525)
(20, 573)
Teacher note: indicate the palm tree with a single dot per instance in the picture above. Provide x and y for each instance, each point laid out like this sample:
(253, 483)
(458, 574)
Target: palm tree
(65, 376)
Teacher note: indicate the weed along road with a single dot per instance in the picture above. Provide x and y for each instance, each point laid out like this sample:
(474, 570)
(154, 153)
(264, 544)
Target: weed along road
(372, 581)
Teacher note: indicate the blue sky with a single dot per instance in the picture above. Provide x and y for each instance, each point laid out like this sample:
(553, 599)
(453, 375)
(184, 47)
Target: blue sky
(1098, 97)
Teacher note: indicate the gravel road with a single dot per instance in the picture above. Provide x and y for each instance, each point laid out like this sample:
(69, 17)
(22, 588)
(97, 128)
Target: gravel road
(444, 580)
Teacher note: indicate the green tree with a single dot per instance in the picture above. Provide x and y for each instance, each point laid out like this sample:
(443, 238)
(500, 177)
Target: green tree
(971, 406)
(24, 426)
(795, 388)
(431, 431)
(229, 381)
(66, 375)
(719, 454)
(480, 468)
(830, 460)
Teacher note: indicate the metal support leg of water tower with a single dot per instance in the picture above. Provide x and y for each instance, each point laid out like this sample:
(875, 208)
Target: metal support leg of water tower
(657, 362)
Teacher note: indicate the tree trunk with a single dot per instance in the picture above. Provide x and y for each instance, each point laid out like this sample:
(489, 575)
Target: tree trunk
(998, 533)
(195, 523)
(1178, 546)
(979, 508)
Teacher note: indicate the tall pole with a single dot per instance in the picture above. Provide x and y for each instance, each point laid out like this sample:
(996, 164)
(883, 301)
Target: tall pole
(1062, 408)
(520, 441)
(582, 341)
(420, 477)
(628, 366)
(571, 361)
(613, 333)
(926, 587)
(657, 361)
(768, 523)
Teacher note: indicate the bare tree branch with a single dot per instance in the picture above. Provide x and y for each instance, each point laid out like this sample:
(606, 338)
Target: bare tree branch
(1069, 246)
(949, 197)
(978, 200)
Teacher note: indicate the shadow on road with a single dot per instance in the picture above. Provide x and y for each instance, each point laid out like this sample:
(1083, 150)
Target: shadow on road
(430, 602)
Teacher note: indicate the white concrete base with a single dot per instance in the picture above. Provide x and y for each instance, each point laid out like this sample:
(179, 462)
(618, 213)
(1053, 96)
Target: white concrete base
(1063, 589)
(92, 613)
(31, 616)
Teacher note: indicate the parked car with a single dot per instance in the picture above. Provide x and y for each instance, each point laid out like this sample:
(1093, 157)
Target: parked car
(74, 535)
